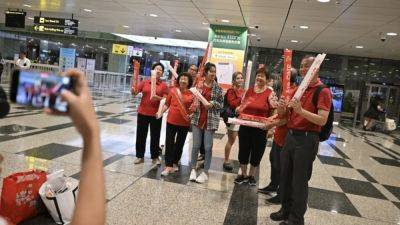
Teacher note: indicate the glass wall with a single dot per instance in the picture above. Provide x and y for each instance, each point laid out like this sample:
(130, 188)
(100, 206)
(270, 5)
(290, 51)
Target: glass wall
(352, 73)
(44, 49)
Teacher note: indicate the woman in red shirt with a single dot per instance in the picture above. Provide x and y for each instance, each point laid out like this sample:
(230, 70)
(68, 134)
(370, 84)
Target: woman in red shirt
(258, 101)
(233, 98)
(178, 101)
(147, 116)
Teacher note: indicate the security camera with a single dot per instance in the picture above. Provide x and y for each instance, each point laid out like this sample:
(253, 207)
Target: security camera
(155, 38)
(383, 38)
(258, 39)
(256, 26)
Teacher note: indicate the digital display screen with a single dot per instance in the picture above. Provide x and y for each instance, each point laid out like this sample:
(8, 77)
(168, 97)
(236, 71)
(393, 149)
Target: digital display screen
(42, 90)
(337, 97)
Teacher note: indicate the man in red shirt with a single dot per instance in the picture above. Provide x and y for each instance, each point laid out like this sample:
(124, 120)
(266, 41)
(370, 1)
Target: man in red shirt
(301, 146)
(277, 145)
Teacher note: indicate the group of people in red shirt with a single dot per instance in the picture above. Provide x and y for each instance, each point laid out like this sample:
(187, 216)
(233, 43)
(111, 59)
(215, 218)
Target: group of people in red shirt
(296, 137)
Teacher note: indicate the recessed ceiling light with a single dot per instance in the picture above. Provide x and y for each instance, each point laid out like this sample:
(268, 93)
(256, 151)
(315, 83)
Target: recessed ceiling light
(205, 23)
(125, 26)
(324, 1)
(294, 41)
(304, 27)
(30, 18)
(391, 34)
(225, 21)
(26, 5)
(359, 46)
(153, 15)
(87, 10)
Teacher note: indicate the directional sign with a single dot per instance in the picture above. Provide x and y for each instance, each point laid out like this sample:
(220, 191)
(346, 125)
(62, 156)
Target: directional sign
(55, 21)
(120, 49)
(56, 30)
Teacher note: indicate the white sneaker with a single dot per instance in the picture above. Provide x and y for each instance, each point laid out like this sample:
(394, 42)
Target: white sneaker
(175, 168)
(202, 178)
(193, 175)
(165, 173)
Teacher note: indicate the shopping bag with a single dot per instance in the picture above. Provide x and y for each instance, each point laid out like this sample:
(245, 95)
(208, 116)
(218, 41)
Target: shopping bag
(60, 205)
(20, 195)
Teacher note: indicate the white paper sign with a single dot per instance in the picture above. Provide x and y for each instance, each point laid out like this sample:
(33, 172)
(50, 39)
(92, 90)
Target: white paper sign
(309, 76)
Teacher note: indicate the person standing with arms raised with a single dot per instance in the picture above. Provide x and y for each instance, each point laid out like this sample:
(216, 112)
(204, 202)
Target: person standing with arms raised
(147, 116)
(305, 119)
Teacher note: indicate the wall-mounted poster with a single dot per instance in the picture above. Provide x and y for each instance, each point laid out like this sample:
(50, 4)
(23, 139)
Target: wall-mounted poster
(67, 59)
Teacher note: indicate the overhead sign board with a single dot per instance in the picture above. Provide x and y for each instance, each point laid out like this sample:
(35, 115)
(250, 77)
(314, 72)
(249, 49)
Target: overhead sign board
(56, 30)
(55, 21)
(120, 49)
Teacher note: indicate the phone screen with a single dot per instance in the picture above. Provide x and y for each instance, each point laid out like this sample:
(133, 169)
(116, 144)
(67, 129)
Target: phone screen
(40, 89)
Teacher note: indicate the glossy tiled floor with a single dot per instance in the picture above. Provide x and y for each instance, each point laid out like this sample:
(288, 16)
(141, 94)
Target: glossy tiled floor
(356, 177)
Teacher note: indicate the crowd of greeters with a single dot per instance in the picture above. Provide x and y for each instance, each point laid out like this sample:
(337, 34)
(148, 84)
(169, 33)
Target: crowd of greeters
(296, 133)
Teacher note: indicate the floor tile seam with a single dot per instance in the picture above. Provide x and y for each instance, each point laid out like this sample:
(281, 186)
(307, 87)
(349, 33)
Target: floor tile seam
(342, 214)
(123, 190)
(29, 114)
(391, 150)
(338, 151)
(383, 151)
(372, 219)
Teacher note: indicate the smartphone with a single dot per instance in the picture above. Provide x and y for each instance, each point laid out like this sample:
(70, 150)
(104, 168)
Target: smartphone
(40, 89)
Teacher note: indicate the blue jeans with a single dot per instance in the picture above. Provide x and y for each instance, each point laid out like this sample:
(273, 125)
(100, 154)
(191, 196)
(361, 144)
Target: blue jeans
(208, 138)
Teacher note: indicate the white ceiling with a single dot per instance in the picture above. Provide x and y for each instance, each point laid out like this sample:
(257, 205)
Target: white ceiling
(334, 27)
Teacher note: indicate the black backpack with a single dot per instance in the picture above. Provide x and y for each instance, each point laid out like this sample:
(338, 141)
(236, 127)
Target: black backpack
(227, 111)
(4, 105)
(326, 130)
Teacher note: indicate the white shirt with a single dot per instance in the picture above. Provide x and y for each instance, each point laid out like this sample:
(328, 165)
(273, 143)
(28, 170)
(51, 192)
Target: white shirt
(23, 64)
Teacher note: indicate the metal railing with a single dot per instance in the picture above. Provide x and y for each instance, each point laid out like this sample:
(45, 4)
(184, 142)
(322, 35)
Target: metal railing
(101, 81)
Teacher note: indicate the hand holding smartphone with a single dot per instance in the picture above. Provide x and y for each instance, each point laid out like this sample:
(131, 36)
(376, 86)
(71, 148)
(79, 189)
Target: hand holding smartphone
(40, 89)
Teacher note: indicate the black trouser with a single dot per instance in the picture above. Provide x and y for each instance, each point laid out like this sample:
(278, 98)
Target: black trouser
(274, 158)
(143, 123)
(174, 142)
(297, 159)
(252, 144)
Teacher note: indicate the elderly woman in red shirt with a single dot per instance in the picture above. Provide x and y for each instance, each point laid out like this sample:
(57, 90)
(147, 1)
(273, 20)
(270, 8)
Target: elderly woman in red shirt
(178, 101)
(258, 101)
(147, 116)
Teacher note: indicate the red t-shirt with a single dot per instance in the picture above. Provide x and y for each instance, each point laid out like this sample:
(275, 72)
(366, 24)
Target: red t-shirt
(297, 122)
(281, 131)
(175, 115)
(257, 104)
(206, 92)
(148, 107)
(234, 97)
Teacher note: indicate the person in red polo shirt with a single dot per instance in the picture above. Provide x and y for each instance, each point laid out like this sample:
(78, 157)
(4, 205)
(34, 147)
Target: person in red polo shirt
(301, 146)
(276, 149)
(178, 101)
(147, 116)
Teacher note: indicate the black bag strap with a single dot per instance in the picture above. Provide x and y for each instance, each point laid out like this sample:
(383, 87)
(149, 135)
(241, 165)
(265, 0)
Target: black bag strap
(316, 94)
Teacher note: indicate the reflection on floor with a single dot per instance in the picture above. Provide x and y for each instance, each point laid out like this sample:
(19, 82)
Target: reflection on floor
(355, 180)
